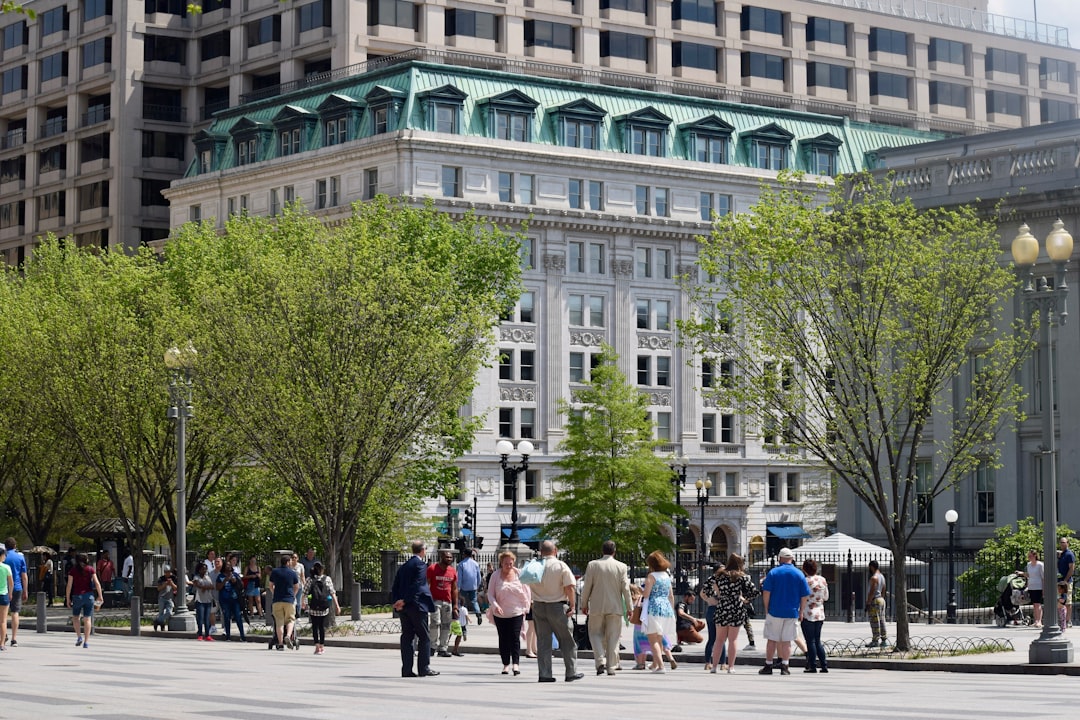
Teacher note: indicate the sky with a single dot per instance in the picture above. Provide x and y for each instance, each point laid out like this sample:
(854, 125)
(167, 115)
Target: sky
(1064, 13)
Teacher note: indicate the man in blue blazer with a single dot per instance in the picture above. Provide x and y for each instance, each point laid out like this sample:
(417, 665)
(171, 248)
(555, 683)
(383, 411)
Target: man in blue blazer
(412, 599)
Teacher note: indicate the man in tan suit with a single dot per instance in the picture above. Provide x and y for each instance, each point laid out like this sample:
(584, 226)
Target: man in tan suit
(606, 600)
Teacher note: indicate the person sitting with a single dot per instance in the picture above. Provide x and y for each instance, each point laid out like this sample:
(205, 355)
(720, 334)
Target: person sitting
(687, 627)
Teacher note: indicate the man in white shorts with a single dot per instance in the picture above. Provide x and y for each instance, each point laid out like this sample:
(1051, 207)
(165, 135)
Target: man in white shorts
(784, 594)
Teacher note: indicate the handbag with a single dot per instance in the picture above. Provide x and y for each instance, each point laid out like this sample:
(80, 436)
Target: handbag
(532, 573)
(635, 617)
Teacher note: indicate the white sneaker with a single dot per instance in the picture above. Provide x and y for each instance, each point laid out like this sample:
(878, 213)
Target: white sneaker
(749, 648)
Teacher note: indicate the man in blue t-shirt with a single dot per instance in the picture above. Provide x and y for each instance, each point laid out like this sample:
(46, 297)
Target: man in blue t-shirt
(230, 586)
(285, 585)
(469, 583)
(784, 594)
(1066, 566)
(17, 563)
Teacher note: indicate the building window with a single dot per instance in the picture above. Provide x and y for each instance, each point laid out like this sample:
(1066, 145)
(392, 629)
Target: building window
(451, 181)
(574, 194)
(641, 199)
(823, 161)
(97, 52)
(948, 51)
(762, 20)
(985, 488)
(770, 156)
(624, 45)
(661, 202)
(335, 131)
(708, 428)
(540, 33)
(511, 125)
(527, 365)
(1056, 110)
(890, 41)
(395, 13)
(150, 192)
(506, 187)
(663, 426)
(1004, 61)
(16, 35)
(94, 195)
(315, 15)
(1004, 103)
(653, 314)
(13, 80)
(445, 118)
(889, 84)
(275, 202)
(526, 194)
(214, 46)
(826, 31)
(506, 364)
(326, 192)
(644, 370)
(627, 5)
(264, 30)
(13, 214)
(762, 65)
(947, 93)
(53, 21)
(578, 371)
(702, 11)
(586, 310)
(710, 148)
(471, 23)
(162, 144)
(52, 158)
(93, 9)
(714, 203)
(663, 371)
(506, 422)
(527, 426)
(1054, 70)
(247, 151)
(924, 491)
(776, 488)
(13, 169)
(51, 205)
(161, 48)
(695, 55)
(54, 66)
(371, 183)
(579, 133)
(652, 262)
(596, 195)
(792, 487)
(727, 429)
(195, 213)
(291, 141)
(819, 74)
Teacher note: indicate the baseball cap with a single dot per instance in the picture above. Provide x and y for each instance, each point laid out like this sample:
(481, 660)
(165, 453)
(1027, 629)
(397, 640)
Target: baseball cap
(786, 553)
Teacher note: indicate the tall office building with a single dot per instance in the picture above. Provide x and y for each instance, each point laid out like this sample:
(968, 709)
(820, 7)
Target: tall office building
(99, 97)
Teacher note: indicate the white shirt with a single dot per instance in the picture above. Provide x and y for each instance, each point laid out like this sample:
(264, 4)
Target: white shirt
(129, 567)
(1035, 575)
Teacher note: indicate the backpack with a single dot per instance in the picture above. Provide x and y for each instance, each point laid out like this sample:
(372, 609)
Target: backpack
(533, 572)
(319, 598)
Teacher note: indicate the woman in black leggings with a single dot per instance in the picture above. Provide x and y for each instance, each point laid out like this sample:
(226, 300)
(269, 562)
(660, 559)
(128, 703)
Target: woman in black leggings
(321, 599)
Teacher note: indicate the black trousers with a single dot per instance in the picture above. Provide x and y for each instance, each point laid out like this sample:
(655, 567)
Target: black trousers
(414, 624)
(509, 630)
(318, 628)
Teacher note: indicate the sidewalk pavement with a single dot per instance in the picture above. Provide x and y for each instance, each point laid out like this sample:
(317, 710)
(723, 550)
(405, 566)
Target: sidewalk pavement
(482, 639)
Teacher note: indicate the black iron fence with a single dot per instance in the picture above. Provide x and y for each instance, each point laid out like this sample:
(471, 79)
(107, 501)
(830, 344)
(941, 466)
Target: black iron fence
(928, 579)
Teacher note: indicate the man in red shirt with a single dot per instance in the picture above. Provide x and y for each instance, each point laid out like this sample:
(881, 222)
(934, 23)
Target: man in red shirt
(442, 578)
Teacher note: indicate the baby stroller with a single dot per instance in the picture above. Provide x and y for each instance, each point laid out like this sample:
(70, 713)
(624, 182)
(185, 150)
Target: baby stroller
(1013, 588)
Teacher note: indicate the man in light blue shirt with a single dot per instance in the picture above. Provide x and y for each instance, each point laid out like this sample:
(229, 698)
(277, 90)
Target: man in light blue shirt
(469, 583)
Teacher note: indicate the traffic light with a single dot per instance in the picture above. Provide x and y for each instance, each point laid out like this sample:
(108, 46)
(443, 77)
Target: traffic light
(478, 542)
(461, 543)
(468, 524)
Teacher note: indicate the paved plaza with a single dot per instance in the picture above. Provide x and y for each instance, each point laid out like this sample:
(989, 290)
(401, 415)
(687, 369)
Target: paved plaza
(120, 677)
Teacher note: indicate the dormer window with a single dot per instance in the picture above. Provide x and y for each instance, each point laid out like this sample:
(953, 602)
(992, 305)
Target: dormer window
(769, 146)
(294, 125)
(252, 139)
(645, 132)
(442, 108)
(340, 116)
(578, 124)
(821, 154)
(209, 149)
(707, 140)
(510, 116)
(385, 104)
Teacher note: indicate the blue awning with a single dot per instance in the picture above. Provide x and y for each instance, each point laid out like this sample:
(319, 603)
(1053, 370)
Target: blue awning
(525, 534)
(466, 532)
(788, 531)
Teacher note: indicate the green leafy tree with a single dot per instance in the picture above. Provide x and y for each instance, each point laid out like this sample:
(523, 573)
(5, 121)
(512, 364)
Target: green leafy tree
(342, 355)
(854, 319)
(614, 487)
(94, 327)
(1002, 554)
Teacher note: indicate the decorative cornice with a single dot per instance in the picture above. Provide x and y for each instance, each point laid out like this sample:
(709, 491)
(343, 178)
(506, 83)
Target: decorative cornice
(517, 334)
(517, 393)
(654, 342)
(657, 397)
(585, 338)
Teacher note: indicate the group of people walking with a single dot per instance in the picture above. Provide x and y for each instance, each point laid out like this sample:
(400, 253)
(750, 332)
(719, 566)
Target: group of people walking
(545, 590)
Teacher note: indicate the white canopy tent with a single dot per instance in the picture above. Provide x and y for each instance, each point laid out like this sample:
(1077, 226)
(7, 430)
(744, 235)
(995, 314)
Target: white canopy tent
(834, 549)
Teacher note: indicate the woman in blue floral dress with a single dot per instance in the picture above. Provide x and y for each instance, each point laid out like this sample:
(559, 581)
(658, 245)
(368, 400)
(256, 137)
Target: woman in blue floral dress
(658, 614)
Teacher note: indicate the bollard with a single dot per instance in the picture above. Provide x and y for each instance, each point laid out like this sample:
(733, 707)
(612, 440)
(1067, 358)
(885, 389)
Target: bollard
(354, 600)
(136, 615)
(42, 617)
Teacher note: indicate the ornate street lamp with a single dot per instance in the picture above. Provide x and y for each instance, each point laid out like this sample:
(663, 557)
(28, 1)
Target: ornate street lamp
(525, 449)
(951, 516)
(678, 481)
(703, 552)
(1045, 299)
(181, 364)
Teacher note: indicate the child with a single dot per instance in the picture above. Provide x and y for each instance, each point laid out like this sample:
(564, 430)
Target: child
(1063, 604)
(641, 640)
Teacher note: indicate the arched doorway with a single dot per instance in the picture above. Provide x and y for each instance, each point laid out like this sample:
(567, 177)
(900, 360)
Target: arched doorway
(718, 546)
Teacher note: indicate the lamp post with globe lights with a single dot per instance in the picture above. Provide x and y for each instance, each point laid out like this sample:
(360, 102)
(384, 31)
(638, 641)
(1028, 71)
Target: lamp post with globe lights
(678, 481)
(703, 487)
(181, 363)
(951, 516)
(525, 449)
(1044, 299)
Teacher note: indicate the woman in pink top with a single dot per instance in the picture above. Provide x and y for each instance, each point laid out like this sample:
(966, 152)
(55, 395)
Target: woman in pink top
(814, 618)
(509, 600)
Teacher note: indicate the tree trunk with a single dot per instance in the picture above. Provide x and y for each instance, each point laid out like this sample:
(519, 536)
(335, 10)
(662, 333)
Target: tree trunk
(903, 632)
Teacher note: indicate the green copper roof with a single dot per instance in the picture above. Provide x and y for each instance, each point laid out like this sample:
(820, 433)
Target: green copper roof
(415, 84)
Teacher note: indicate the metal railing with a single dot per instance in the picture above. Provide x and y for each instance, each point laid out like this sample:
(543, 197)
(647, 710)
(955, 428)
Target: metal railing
(95, 115)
